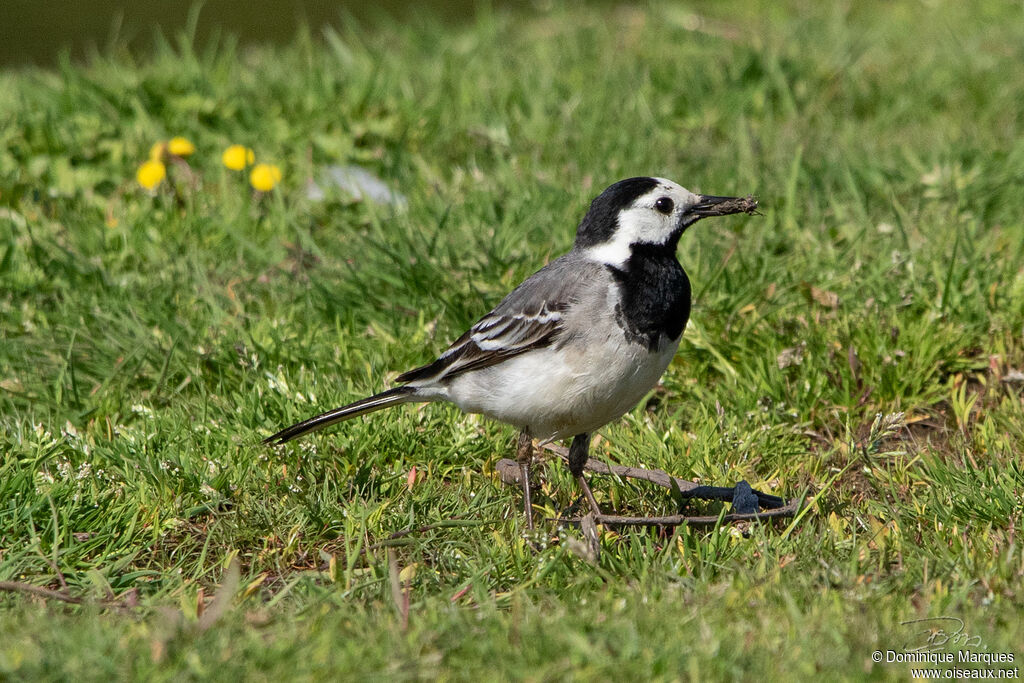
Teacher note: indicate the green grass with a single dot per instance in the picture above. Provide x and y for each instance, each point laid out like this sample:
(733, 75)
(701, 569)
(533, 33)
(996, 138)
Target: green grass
(147, 343)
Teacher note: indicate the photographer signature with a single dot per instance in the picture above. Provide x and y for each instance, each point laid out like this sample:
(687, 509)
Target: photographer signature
(938, 633)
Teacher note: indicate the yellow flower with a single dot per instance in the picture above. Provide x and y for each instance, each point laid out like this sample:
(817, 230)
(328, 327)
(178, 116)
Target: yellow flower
(264, 177)
(237, 157)
(151, 173)
(156, 152)
(180, 146)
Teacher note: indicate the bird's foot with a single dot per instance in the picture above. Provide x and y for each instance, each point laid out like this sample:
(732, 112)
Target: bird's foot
(524, 456)
(747, 503)
(524, 478)
(591, 501)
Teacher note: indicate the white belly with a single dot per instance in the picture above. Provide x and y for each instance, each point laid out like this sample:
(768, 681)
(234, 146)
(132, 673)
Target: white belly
(557, 394)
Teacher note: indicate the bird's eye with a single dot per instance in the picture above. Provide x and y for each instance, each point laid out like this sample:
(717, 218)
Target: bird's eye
(664, 205)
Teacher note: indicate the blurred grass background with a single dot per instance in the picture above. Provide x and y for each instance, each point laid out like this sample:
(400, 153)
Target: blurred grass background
(861, 342)
(40, 32)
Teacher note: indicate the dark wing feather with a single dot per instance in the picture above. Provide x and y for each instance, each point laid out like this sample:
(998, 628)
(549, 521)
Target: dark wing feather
(492, 339)
(530, 317)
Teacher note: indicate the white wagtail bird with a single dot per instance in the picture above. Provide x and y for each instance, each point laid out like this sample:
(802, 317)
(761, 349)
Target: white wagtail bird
(581, 341)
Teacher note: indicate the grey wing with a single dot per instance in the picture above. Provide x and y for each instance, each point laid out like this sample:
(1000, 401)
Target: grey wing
(532, 316)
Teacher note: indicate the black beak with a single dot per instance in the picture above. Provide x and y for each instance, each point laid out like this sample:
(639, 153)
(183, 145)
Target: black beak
(710, 205)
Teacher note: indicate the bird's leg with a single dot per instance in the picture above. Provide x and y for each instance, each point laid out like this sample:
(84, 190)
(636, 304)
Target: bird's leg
(577, 460)
(524, 456)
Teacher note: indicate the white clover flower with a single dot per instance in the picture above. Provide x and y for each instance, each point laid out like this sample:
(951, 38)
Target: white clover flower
(64, 469)
(140, 409)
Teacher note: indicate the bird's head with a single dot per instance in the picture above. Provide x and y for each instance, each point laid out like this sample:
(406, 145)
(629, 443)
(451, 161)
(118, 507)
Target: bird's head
(648, 211)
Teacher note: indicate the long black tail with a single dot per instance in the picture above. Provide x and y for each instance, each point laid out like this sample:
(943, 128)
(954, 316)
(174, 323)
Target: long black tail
(385, 399)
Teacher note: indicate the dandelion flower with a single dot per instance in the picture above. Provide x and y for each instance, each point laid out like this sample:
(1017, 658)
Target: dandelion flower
(156, 152)
(264, 177)
(237, 157)
(180, 146)
(151, 173)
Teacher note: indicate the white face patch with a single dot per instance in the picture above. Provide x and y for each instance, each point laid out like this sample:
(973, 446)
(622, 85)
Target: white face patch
(644, 223)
